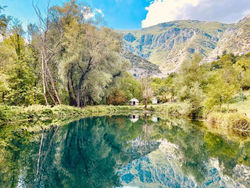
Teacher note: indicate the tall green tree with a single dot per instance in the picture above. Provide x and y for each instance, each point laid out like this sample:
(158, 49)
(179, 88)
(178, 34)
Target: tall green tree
(19, 84)
(189, 84)
(130, 87)
(91, 58)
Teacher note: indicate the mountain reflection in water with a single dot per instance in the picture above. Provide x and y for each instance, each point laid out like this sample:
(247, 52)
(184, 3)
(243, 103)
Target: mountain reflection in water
(116, 152)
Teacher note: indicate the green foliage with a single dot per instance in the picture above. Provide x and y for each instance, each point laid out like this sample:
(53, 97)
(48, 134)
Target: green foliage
(18, 85)
(21, 81)
(116, 97)
(130, 87)
(218, 91)
(230, 123)
(189, 85)
(207, 87)
(91, 60)
(4, 20)
(161, 88)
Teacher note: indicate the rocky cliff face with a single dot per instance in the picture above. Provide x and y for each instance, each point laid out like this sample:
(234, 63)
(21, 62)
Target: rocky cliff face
(234, 40)
(141, 67)
(168, 44)
(163, 167)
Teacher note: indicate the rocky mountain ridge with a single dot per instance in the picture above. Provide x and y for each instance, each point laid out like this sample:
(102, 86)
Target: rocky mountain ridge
(234, 40)
(167, 45)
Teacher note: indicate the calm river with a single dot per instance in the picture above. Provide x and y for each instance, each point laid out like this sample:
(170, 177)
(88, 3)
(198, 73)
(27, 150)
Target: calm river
(121, 151)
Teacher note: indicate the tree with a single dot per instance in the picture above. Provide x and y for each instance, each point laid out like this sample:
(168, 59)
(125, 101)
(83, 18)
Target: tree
(91, 58)
(147, 92)
(116, 97)
(4, 20)
(130, 87)
(218, 91)
(19, 82)
(242, 66)
(49, 35)
(189, 84)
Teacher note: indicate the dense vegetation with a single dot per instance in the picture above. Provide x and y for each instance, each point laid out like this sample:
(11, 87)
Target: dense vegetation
(70, 59)
(67, 60)
(207, 87)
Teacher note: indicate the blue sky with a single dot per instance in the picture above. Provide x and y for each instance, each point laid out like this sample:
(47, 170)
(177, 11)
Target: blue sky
(118, 14)
(135, 14)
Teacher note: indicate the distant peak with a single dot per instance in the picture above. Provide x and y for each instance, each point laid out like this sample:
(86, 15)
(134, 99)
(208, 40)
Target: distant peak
(247, 16)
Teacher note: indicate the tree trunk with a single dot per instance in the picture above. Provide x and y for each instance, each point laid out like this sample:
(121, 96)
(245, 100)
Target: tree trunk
(72, 101)
(3, 95)
(43, 79)
(52, 83)
(81, 82)
(51, 96)
(146, 103)
(71, 89)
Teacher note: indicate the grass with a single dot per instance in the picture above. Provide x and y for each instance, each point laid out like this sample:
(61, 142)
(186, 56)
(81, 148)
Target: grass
(233, 121)
(242, 107)
(63, 112)
(225, 123)
(233, 125)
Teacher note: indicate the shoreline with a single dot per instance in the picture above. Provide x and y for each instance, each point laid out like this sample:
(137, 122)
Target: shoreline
(227, 124)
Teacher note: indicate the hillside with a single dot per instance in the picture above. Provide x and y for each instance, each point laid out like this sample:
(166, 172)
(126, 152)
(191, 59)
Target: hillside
(168, 44)
(235, 40)
(140, 66)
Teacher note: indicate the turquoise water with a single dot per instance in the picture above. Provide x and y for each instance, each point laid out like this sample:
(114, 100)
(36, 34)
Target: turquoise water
(121, 152)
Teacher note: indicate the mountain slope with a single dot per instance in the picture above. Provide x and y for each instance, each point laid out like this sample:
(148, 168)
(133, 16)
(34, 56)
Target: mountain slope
(140, 66)
(235, 40)
(168, 44)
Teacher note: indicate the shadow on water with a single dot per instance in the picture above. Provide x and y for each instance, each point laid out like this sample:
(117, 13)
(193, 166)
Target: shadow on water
(119, 151)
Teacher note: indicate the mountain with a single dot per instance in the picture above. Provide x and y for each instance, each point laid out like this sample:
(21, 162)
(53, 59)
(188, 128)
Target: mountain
(140, 66)
(234, 40)
(168, 44)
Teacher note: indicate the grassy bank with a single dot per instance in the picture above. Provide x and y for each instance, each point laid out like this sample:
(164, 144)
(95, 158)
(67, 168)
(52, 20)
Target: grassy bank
(227, 123)
(63, 112)
(233, 119)
(60, 113)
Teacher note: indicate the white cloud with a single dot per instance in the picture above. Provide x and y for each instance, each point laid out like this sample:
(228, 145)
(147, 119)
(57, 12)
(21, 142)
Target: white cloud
(227, 11)
(166, 10)
(99, 11)
(91, 14)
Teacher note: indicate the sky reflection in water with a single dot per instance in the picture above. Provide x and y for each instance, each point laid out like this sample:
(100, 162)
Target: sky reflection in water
(120, 151)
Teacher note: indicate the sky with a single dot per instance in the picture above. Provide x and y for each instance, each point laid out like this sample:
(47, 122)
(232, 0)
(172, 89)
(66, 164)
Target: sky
(136, 14)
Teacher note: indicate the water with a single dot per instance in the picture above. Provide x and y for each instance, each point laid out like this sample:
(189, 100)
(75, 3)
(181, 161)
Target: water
(121, 152)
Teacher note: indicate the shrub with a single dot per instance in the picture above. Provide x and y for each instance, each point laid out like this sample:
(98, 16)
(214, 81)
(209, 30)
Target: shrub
(238, 123)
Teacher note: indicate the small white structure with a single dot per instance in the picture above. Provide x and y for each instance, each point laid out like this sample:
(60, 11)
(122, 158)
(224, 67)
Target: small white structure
(134, 102)
(154, 100)
(154, 119)
(134, 118)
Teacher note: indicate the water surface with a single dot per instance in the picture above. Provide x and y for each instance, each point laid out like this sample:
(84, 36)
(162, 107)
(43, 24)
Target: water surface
(121, 152)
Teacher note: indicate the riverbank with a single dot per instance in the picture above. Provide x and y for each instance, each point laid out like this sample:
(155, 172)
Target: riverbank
(233, 123)
(63, 112)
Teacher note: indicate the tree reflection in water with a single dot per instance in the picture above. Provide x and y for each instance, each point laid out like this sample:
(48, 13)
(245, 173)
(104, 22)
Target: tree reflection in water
(92, 152)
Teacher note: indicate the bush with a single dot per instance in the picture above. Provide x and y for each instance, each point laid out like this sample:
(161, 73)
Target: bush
(238, 123)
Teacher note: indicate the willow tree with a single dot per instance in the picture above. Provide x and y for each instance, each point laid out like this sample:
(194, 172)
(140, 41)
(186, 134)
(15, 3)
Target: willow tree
(91, 56)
